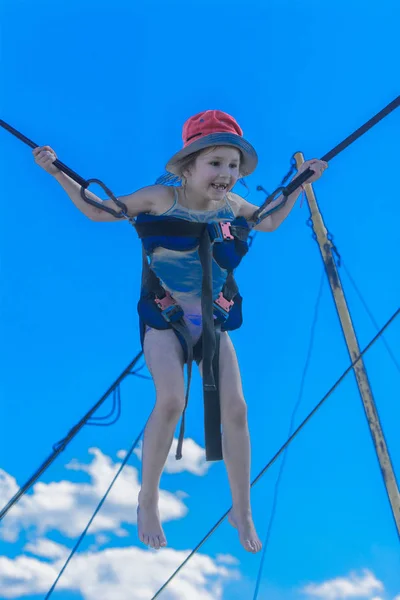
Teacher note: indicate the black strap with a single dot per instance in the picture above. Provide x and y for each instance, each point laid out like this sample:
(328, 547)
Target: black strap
(241, 233)
(230, 288)
(208, 334)
(212, 409)
(182, 329)
(183, 228)
(178, 228)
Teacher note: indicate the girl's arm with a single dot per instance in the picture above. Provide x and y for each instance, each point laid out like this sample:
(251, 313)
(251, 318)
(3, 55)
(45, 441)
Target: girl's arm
(282, 208)
(275, 219)
(149, 199)
(155, 198)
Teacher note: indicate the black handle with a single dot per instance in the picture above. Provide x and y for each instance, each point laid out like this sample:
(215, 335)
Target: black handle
(82, 182)
(300, 179)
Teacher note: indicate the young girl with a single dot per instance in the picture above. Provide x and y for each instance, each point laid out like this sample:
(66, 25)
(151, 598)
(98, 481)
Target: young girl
(214, 156)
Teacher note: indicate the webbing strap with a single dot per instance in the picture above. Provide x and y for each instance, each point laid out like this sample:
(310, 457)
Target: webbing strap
(212, 410)
(230, 288)
(241, 233)
(183, 228)
(208, 334)
(182, 329)
(178, 228)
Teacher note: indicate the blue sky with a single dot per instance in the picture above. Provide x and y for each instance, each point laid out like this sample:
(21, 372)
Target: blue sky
(109, 86)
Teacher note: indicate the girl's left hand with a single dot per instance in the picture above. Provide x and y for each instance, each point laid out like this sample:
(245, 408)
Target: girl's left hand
(319, 166)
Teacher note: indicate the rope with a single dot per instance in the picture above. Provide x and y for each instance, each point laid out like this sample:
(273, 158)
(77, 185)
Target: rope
(300, 179)
(291, 427)
(371, 316)
(340, 263)
(73, 175)
(281, 450)
(62, 444)
(75, 548)
(116, 408)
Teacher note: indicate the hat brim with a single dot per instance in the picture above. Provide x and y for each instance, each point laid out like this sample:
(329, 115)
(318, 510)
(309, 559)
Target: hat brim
(249, 155)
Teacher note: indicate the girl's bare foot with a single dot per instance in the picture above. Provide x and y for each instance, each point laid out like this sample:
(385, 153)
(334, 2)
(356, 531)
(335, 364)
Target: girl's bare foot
(149, 524)
(247, 532)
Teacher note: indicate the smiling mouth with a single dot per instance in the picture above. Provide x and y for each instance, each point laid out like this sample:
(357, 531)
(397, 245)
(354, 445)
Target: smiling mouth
(219, 186)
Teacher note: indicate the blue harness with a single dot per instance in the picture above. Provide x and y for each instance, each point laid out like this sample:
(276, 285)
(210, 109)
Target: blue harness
(226, 243)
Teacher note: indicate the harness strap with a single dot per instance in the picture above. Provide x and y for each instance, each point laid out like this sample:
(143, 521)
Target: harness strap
(212, 410)
(208, 333)
(178, 228)
(182, 228)
(182, 329)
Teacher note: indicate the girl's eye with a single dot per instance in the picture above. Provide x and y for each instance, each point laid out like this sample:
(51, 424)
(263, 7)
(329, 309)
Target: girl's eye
(216, 163)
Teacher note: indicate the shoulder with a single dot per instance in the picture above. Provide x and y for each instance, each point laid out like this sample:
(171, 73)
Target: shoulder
(163, 198)
(245, 209)
(154, 199)
(240, 206)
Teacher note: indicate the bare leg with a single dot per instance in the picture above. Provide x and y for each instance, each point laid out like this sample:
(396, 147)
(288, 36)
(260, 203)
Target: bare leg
(164, 358)
(236, 445)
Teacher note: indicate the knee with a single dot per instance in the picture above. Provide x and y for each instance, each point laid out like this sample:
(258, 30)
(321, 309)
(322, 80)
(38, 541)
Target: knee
(170, 407)
(235, 412)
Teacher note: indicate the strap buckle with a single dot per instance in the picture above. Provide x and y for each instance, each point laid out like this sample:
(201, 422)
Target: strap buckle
(170, 310)
(221, 231)
(223, 306)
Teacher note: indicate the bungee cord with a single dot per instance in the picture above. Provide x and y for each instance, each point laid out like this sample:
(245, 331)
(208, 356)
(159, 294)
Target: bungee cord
(84, 532)
(371, 316)
(84, 183)
(62, 444)
(260, 213)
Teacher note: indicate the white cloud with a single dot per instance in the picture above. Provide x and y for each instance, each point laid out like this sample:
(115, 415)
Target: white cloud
(8, 487)
(353, 586)
(181, 494)
(127, 573)
(51, 505)
(101, 539)
(227, 559)
(46, 549)
(193, 459)
(118, 573)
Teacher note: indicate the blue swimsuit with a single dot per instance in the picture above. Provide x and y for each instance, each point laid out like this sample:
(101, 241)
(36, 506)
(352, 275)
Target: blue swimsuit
(180, 272)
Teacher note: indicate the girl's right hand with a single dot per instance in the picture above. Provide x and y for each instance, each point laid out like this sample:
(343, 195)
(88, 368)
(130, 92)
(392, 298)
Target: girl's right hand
(44, 157)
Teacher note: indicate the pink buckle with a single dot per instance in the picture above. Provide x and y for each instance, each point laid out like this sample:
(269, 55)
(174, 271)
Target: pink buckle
(226, 231)
(165, 302)
(225, 304)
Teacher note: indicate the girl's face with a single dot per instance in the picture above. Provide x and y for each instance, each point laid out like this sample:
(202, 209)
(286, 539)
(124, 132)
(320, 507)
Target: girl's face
(215, 172)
